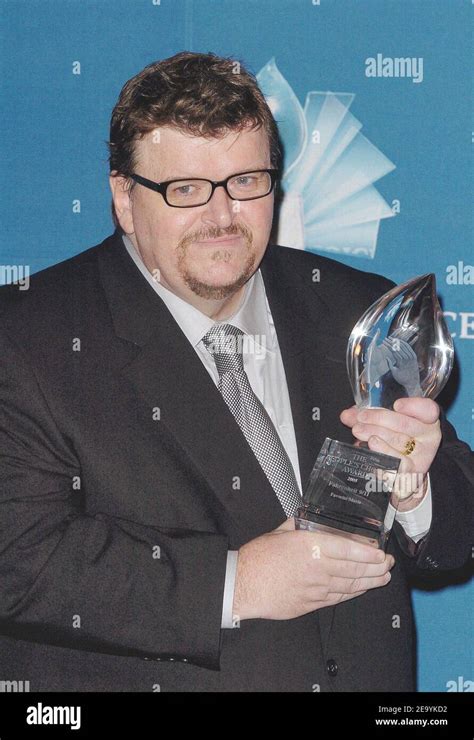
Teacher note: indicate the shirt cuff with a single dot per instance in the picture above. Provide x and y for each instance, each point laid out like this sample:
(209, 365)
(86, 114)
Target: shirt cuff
(416, 522)
(228, 621)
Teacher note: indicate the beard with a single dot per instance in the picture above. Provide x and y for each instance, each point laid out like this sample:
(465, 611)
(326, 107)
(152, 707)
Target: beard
(207, 290)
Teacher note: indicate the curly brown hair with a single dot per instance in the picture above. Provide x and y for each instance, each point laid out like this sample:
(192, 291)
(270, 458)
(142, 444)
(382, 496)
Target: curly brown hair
(201, 94)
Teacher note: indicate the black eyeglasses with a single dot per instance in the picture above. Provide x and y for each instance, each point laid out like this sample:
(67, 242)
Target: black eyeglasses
(196, 191)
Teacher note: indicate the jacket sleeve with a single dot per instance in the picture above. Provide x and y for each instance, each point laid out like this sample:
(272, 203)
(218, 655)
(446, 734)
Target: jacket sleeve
(92, 581)
(447, 546)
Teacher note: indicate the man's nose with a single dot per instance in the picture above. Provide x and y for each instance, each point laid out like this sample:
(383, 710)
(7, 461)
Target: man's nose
(220, 209)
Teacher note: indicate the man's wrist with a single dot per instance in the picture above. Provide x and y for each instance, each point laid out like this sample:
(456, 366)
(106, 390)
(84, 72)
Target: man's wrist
(241, 596)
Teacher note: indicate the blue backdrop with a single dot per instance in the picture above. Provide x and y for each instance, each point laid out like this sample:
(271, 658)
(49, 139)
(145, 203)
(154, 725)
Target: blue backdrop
(65, 61)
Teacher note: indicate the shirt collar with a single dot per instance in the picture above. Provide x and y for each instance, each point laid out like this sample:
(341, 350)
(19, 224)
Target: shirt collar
(252, 317)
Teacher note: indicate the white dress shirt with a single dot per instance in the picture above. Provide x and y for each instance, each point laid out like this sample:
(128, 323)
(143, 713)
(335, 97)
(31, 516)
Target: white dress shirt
(264, 367)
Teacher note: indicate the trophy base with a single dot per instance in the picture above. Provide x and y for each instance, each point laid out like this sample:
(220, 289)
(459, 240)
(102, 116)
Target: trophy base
(349, 493)
(313, 523)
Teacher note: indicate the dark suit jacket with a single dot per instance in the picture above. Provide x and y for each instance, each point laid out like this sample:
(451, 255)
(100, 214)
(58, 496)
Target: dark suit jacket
(117, 502)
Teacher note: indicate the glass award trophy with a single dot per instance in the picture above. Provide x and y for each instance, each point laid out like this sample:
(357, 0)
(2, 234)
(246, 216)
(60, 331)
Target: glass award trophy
(400, 347)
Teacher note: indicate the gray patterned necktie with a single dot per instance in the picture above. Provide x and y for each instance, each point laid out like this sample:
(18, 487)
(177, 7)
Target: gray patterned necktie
(224, 343)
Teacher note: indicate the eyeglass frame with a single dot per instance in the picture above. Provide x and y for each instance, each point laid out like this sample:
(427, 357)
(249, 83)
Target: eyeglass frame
(161, 187)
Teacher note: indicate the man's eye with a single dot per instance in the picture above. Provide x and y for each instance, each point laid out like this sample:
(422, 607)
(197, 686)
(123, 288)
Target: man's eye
(245, 180)
(183, 189)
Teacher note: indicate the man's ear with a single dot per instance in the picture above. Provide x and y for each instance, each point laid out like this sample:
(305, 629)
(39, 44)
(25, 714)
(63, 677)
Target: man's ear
(120, 187)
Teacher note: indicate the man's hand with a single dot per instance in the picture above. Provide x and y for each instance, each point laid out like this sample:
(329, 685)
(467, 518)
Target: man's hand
(389, 431)
(287, 573)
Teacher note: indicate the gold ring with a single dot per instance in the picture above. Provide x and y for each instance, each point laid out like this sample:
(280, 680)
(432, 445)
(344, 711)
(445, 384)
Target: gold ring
(409, 447)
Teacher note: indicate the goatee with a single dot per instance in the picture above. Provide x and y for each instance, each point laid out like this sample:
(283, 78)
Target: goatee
(219, 292)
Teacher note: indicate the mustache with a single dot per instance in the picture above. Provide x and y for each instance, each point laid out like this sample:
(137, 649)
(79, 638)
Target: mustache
(216, 233)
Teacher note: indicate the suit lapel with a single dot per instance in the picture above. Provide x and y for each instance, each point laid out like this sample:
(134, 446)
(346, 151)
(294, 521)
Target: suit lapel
(313, 357)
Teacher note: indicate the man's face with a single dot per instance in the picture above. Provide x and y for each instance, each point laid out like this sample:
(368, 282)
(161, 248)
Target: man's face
(206, 252)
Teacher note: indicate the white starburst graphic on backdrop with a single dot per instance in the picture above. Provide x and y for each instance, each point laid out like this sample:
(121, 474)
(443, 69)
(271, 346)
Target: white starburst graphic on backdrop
(329, 201)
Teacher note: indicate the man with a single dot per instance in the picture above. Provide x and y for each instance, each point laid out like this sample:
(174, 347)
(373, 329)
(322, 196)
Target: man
(149, 475)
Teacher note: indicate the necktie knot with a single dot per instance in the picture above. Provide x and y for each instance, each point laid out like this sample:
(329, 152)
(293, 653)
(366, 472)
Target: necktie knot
(225, 343)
